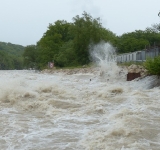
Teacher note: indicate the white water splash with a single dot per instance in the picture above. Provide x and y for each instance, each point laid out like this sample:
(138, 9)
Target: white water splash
(104, 55)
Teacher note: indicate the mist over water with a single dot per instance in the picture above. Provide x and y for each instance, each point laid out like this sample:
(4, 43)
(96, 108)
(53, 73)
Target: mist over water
(92, 109)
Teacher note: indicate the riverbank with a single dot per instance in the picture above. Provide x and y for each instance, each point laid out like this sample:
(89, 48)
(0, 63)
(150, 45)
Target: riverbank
(94, 70)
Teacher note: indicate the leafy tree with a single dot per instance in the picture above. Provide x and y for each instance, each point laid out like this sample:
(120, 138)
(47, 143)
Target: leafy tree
(6, 61)
(30, 56)
(138, 40)
(68, 43)
(52, 40)
(86, 30)
(131, 44)
(44, 55)
(66, 56)
(109, 36)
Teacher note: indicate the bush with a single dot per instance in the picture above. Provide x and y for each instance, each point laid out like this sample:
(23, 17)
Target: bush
(153, 65)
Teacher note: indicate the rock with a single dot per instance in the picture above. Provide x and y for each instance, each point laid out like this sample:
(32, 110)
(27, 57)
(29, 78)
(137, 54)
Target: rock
(136, 69)
(131, 71)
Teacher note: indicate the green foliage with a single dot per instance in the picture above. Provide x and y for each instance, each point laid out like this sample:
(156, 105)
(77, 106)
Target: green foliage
(55, 36)
(30, 56)
(66, 56)
(67, 44)
(12, 49)
(131, 44)
(44, 55)
(53, 43)
(5, 61)
(153, 65)
(138, 40)
(109, 36)
(11, 56)
(86, 30)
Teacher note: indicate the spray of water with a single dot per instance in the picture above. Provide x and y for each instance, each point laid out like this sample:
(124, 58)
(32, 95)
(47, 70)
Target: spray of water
(104, 56)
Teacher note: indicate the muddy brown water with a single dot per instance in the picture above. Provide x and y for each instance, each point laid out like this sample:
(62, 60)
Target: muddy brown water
(57, 111)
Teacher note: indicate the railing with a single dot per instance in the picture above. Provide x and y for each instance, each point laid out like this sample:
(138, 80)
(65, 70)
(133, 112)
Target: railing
(138, 55)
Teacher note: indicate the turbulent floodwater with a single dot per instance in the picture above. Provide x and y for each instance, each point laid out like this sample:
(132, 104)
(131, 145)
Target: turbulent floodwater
(97, 110)
(64, 112)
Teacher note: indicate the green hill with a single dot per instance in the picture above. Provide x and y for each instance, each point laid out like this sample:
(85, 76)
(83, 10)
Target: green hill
(13, 49)
(11, 56)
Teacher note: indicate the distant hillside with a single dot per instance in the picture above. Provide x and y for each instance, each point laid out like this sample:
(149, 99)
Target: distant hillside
(12, 49)
(11, 56)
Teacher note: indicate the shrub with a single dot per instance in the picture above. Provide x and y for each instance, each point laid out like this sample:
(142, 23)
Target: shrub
(153, 65)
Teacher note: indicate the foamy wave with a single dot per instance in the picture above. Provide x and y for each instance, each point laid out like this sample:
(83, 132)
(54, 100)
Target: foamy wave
(57, 111)
(104, 55)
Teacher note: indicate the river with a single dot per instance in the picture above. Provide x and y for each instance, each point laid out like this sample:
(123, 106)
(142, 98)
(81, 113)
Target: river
(81, 111)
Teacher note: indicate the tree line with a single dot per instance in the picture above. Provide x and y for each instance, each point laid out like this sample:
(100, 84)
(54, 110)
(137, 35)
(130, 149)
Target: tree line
(11, 56)
(67, 43)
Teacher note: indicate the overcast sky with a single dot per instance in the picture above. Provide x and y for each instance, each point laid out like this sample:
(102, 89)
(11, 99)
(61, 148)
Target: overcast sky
(24, 22)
